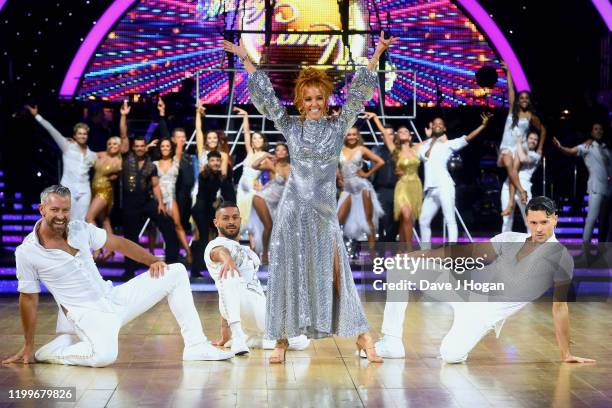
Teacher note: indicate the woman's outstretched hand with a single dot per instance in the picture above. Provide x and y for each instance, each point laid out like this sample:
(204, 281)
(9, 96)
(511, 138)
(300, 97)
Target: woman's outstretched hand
(239, 50)
(384, 43)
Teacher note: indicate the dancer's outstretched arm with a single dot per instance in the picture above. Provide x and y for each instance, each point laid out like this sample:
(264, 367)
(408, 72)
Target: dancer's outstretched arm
(362, 86)
(123, 128)
(261, 91)
(387, 140)
(199, 114)
(570, 151)
(62, 142)
(246, 129)
(511, 92)
(485, 121)
(28, 305)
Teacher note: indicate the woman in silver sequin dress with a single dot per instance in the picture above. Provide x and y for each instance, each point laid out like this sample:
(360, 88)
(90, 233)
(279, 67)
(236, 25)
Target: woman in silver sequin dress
(310, 286)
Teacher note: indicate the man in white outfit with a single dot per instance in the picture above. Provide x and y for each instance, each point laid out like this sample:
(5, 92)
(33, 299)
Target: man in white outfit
(439, 188)
(598, 160)
(92, 311)
(242, 302)
(528, 265)
(529, 160)
(77, 159)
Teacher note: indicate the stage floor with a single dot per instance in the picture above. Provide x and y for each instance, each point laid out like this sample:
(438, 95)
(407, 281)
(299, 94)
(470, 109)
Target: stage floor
(520, 369)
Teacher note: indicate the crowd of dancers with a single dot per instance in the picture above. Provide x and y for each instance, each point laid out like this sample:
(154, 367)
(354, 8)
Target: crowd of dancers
(381, 195)
(293, 221)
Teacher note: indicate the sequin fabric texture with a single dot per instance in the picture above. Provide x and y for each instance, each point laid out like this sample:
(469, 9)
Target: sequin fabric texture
(301, 296)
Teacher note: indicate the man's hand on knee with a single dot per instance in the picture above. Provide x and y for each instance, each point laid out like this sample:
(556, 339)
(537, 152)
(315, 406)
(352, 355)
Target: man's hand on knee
(157, 269)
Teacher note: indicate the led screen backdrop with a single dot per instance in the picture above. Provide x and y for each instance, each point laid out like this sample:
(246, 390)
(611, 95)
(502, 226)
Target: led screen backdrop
(158, 43)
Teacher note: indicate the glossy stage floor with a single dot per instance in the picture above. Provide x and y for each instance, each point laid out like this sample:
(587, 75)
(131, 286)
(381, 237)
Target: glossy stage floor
(520, 369)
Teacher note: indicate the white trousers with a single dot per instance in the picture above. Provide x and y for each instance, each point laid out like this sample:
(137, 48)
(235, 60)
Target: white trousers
(472, 321)
(434, 199)
(80, 198)
(508, 220)
(393, 319)
(595, 201)
(96, 341)
(244, 302)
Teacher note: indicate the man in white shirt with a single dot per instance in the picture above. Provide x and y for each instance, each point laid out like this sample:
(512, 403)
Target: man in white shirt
(527, 264)
(242, 302)
(92, 311)
(529, 160)
(439, 188)
(77, 159)
(598, 160)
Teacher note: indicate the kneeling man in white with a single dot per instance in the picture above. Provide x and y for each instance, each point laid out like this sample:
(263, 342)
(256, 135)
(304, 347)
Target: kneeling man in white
(92, 311)
(242, 302)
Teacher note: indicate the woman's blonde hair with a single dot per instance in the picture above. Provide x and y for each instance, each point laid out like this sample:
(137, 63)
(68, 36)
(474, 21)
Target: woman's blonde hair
(115, 138)
(312, 78)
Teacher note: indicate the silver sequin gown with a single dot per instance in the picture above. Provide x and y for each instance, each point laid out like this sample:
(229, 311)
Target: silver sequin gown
(301, 297)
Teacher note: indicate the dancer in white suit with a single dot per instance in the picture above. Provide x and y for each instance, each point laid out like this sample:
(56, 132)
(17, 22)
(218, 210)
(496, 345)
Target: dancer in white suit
(77, 159)
(92, 311)
(439, 188)
(242, 302)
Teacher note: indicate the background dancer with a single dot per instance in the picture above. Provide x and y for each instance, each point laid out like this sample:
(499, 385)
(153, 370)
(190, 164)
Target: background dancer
(306, 245)
(167, 171)
(186, 178)
(358, 207)
(529, 160)
(142, 197)
(210, 186)
(256, 146)
(520, 118)
(265, 201)
(439, 186)
(598, 160)
(77, 159)
(92, 311)
(106, 170)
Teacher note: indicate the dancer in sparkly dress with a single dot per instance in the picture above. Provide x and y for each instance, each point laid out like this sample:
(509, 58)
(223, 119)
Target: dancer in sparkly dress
(107, 169)
(310, 286)
(358, 207)
(168, 171)
(255, 145)
(265, 201)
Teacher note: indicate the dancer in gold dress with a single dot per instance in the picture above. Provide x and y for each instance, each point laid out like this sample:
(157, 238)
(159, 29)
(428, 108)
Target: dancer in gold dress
(408, 195)
(107, 169)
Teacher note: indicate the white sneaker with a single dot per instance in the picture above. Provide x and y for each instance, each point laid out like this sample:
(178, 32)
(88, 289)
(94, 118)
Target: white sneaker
(205, 352)
(390, 347)
(300, 342)
(239, 346)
